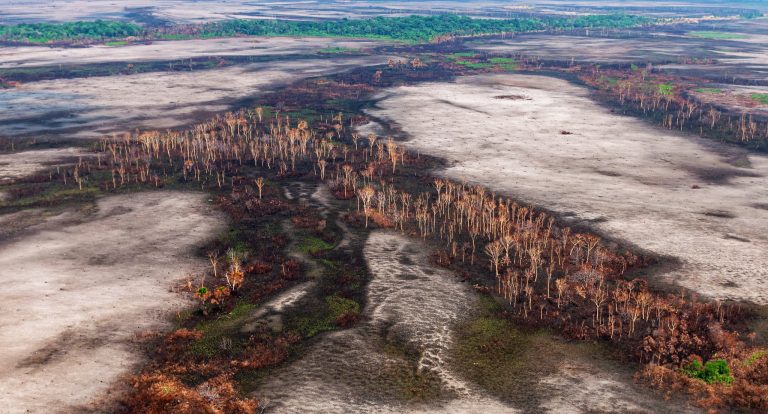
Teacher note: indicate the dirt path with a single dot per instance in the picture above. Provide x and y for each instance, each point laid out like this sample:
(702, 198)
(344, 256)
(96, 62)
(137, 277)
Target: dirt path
(702, 203)
(81, 291)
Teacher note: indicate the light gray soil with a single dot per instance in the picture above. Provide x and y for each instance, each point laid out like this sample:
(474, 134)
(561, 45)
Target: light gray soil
(82, 286)
(25, 56)
(20, 164)
(668, 193)
(99, 106)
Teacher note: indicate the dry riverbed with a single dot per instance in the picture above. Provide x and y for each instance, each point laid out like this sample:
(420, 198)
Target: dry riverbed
(699, 202)
(85, 284)
(401, 357)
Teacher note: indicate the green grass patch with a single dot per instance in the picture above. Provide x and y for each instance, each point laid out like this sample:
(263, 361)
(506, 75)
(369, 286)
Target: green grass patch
(756, 356)
(489, 349)
(703, 34)
(665, 89)
(474, 65)
(222, 327)
(501, 60)
(709, 91)
(310, 327)
(329, 264)
(313, 245)
(338, 50)
(55, 194)
(339, 306)
(460, 55)
(761, 98)
(117, 43)
(321, 316)
(715, 371)
(609, 80)
(505, 63)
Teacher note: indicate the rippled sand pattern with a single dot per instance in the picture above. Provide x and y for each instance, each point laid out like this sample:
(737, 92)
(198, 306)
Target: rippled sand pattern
(409, 303)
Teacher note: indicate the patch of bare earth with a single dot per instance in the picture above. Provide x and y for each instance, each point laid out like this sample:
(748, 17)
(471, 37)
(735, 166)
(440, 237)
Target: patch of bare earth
(20, 164)
(668, 193)
(82, 286)
(98, 106)
(25, 56)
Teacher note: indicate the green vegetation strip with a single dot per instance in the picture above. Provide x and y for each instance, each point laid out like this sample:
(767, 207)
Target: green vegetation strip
(717, 35)
(49, 32)
(713, 372)
(409, 29)
(760, 98)
(710, 91)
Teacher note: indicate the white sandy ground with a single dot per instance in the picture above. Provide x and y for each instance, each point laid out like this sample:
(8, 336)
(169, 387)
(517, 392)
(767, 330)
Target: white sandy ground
(20, 164)
(25, 56)
(629, 179)
(411, 302)
(78, 292)
(99, 106)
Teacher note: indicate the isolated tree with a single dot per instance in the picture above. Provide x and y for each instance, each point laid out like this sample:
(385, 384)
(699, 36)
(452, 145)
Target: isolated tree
(366, 195)
(494, 251)
(260, 185)
(235, 275)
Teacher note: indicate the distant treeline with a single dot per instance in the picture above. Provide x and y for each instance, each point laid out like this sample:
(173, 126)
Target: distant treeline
(410, 29)
(415, 28)
(52, 32)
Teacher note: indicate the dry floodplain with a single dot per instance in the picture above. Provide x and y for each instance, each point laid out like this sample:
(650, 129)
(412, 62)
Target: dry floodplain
(98, 106)
(33, 56)
(699, 202)
(85, 284)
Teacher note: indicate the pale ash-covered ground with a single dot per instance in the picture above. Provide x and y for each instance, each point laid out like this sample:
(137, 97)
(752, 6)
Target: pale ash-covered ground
(672, 194)
(25, 56)
(98, 106)
(84, 284)
(20, 164)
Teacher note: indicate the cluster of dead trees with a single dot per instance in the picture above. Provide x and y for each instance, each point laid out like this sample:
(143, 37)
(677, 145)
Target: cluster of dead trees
(661, 97)
(216, 151)
(552, 276)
